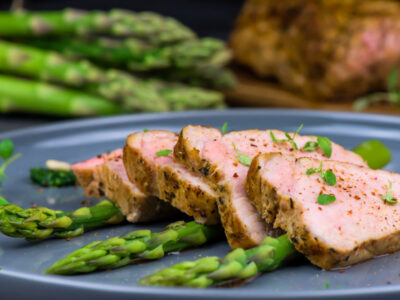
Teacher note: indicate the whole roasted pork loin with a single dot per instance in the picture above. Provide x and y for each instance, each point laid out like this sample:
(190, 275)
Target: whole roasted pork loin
(324, 49)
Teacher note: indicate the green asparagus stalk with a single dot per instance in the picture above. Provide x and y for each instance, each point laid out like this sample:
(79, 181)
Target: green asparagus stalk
(149, 26)
(31, 96)
(112, 52)
(64, 22)
(38, 223)
(135, 246)
(182, 97)
(138, 55)
(145, 25)
(238, 265)
(46, 65)
(203, 75)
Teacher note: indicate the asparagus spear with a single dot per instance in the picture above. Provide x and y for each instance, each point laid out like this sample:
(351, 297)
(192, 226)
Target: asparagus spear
(64, 22)
(31, 96)
(203, 75)
(148, 26)
(135, 246)
(182, 97)
(38, 223)
(102, 50)
(238, 265)
(36, 63)
(138, 55)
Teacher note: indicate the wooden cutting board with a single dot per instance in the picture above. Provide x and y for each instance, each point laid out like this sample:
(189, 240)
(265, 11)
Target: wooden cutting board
(256, 92)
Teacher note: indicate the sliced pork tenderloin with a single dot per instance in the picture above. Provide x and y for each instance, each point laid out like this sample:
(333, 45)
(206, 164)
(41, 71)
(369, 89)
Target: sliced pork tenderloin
(87, 175)
(207, 152)
(356, 226)
(105, 175)
(160, 176)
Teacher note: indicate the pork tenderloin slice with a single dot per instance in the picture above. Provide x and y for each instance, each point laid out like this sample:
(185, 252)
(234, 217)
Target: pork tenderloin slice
(357, 226)
(205, 151)
(87, 175)
(104, 175)
(160, 176)
(135, 205)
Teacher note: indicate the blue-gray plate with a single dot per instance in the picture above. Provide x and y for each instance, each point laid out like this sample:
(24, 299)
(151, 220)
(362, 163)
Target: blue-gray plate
(22, 263)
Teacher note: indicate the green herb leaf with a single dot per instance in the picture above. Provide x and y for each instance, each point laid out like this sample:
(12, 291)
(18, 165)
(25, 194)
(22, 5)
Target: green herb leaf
(6, 149)
(310, 146)
(289, 138)
(388, 198)
(325, 199)
(243, 158)
(224, 127)
(312, 171)
(145, 130)
(315, 170)
(327, 284)
(329, 177)
(326, 145)
(297, 131)
(273, 137)
(163, 152)
(3, 201)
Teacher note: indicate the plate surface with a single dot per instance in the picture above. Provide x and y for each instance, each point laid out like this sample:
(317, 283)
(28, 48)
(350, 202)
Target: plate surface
(22, 263)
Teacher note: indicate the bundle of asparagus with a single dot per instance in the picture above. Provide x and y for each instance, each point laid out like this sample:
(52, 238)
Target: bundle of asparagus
(139, 61)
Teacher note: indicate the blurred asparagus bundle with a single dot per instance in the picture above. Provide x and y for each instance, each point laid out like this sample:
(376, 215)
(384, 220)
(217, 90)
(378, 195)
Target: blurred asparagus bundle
(107, 62)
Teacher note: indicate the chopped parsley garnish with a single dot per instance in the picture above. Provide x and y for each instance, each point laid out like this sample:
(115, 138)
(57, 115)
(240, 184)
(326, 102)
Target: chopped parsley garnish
(327, 284)
(289, 139)
(322, 142)
(163, 152)
(224, 127)
(310, 146)
(388, 198)
(145, 130)
(243, 158)
(326, 145)
(325, 199)
(328, 176)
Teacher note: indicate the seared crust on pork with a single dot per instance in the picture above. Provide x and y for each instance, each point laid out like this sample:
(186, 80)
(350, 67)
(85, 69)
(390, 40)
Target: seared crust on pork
(357, 226)
(162, 177)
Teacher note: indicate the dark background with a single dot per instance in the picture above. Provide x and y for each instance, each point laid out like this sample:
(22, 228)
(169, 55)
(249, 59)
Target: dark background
(206, 17)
